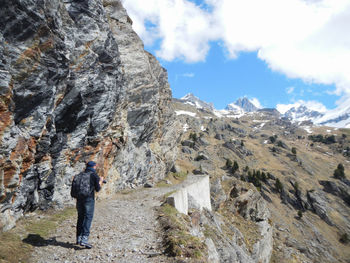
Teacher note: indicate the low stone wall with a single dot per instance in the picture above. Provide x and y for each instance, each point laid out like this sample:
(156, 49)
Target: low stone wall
(194, 193)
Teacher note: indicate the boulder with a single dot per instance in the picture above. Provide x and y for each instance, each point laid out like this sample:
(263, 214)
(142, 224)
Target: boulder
(218, 196)
(188, 143)
(319, 205)
(218, 136)
(186, 150)
(252, 206)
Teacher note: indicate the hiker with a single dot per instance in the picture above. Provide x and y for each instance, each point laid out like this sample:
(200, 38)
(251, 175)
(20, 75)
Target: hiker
(83, 189)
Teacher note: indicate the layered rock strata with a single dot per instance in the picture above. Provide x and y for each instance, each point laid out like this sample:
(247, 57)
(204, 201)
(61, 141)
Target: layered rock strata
(77, 85)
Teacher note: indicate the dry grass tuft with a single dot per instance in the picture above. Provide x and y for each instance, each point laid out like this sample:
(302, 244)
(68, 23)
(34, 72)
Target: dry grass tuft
(179, 243)
(17, 244)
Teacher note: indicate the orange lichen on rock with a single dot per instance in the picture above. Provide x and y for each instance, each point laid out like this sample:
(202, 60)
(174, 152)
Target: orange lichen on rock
(106, 150)
(23, 153)
(10, 171)
(34, 52)
(5, 115)
(28, 155)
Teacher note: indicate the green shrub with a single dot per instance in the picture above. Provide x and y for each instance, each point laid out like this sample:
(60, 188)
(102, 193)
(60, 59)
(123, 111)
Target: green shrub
(330, 139)
(254, 178)
(296, 186)
(280, 144)
(272, 139)
(278, 185)
(339, 172)
(235, 167)
(193, 136)
(324, 139)
(294, 150)
(228, 163)
(300, 214)
(347, 152)
(344, 238)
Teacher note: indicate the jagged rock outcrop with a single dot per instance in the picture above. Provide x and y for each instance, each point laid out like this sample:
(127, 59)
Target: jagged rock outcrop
(229, 240)
(76, 84)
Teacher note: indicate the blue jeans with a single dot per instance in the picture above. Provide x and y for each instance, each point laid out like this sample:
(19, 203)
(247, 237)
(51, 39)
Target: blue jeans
(85, 209)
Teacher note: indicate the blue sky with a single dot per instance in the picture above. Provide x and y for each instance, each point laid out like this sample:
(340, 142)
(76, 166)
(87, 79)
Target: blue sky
(279, 52)
(221, 81)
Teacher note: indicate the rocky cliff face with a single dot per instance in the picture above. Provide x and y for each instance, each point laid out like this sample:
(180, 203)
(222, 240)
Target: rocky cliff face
(77, 85)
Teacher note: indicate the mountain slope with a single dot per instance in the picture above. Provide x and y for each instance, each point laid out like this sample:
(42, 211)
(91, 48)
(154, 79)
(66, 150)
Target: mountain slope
(270, 148)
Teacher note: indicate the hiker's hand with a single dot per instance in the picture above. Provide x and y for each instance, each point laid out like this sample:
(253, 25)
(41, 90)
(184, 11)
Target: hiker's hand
(101, 181)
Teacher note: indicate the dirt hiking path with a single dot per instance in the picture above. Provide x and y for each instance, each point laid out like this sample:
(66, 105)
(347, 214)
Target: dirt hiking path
(124, 229)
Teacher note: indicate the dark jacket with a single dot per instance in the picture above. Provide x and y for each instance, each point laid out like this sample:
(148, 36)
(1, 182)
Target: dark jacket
(94, 180)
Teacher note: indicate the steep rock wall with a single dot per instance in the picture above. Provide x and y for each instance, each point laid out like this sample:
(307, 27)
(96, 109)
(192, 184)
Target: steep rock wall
(77, 85)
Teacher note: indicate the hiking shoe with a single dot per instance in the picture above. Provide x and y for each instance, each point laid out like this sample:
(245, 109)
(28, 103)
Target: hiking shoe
(78, 240)
(86, 245)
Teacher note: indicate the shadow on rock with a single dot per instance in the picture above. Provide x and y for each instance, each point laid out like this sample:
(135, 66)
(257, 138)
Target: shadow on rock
(38, 241)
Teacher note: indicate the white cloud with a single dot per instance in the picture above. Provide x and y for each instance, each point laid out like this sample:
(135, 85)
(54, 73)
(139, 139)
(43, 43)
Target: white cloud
(304, 39)
(290, 90)
(256, 103)
(312, 105)
(185, 75)
(183, 27)
(188, 75)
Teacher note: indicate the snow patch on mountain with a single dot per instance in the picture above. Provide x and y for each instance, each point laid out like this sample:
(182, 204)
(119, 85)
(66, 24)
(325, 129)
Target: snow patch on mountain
(196, 102)
(228, 113)
(182, 112)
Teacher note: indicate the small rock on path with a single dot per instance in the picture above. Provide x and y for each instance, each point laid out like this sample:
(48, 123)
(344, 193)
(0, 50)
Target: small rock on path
(124, 229)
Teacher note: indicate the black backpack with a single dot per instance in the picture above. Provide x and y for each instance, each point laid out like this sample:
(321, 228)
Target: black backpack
(81, 186)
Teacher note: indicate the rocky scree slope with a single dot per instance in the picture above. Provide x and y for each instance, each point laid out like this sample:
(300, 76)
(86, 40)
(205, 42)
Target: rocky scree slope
(287, 166)
(77, 85)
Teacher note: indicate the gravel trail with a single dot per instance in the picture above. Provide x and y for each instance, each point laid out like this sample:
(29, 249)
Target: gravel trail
(124, 229)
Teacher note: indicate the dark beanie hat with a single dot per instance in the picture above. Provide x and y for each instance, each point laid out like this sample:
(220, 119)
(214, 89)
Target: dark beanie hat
(90, 164)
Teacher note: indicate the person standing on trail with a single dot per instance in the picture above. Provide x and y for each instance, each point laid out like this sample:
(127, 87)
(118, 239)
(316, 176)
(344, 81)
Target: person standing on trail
(83, 189)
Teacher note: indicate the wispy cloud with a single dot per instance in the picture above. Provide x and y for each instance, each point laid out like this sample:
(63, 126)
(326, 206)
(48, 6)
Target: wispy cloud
(290, 90)
(187, 75)
(299, 38)
(256, 103)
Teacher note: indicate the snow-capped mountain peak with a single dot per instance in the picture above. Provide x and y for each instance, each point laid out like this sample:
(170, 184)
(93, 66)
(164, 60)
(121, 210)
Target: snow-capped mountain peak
(198, 103)
(233, 107)
(302, 113)
(338, 117)
(242, 104)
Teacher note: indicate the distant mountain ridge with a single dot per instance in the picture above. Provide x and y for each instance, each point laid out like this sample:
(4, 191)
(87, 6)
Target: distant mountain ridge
(240, 106)
(339, 118)
(302, 113)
